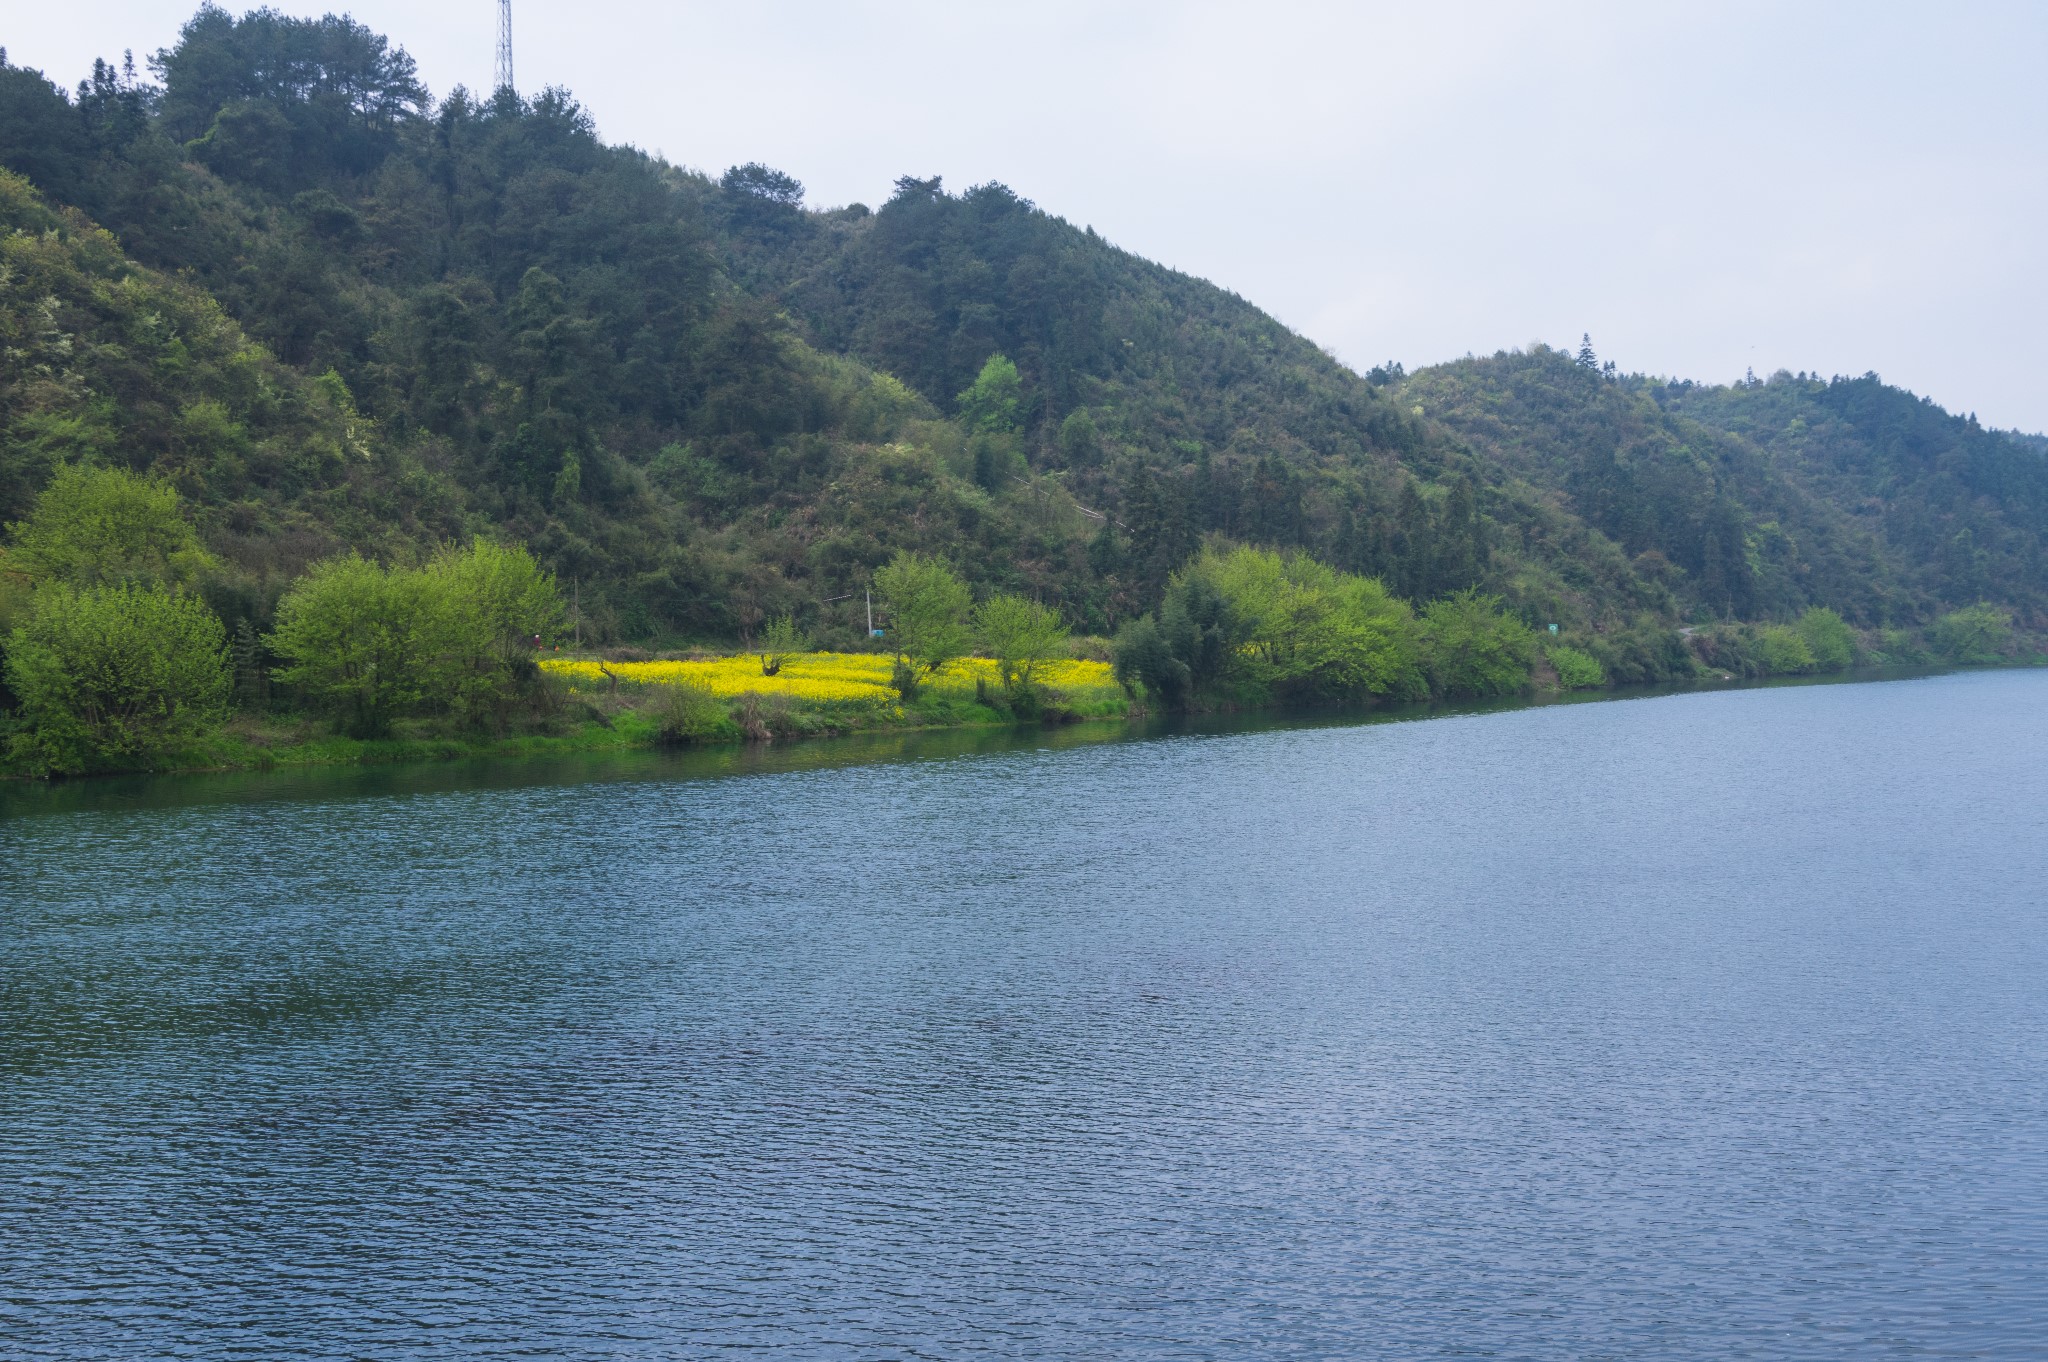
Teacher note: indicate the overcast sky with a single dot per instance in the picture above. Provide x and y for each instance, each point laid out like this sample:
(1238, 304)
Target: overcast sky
(1704, 188)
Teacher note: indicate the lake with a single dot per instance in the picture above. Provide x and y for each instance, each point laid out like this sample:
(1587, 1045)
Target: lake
(1706, 1026)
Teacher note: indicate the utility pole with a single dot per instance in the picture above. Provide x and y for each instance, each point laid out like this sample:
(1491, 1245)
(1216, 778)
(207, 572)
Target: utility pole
(871, 612)
(505, 46)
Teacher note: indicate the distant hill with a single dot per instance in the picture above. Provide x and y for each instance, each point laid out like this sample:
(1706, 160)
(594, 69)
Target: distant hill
(338, 313)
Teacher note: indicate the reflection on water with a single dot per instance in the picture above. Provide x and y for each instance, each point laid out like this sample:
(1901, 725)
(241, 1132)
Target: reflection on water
(1701, 1026)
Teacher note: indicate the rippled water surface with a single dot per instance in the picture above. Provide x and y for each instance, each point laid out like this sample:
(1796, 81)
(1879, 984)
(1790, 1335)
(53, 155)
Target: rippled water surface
(1704, 1026)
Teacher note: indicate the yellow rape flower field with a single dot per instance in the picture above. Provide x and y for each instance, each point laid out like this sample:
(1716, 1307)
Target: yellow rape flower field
(832, 678)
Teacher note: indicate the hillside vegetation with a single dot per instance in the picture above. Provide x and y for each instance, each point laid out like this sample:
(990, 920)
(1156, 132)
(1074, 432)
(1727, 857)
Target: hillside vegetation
(337, 316)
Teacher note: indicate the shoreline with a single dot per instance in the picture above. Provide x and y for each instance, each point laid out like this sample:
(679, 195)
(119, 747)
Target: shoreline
(233, 754)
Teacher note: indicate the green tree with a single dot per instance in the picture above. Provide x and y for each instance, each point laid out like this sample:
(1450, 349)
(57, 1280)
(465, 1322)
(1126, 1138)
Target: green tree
(928, 614)
(485, 605)
(101, 527)
(1310, 631)
(1976, 634)
(993, 402)
(1781, 650)
(1142, 657)
(1831, 641)
(110, 677)
(779, 642)
(1019, 634)
(360, 641)
(1471, 647)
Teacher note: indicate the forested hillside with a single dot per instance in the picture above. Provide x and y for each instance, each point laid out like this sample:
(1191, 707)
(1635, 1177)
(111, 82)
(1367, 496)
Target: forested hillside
(336, 313)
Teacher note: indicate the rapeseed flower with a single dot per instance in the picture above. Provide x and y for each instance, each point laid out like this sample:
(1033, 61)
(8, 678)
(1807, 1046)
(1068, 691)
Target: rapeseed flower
(821, 678)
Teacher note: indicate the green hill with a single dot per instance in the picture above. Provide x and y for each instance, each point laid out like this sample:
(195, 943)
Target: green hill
(339, 314)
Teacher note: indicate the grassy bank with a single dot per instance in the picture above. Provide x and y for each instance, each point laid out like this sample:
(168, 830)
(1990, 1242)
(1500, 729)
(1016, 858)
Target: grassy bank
(588, 703)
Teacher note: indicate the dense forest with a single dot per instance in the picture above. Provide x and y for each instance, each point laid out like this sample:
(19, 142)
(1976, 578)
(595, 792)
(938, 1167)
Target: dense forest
(336, 314)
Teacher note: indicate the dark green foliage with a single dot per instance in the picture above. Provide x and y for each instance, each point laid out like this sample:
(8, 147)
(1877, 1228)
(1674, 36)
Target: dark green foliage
(687, 712)
(1144, 658)
(1642, 654)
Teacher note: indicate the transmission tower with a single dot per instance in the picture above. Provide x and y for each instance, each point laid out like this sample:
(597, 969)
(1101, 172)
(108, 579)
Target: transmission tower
(505, 45)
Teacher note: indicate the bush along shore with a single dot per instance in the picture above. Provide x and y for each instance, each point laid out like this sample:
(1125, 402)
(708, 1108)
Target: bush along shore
(116, 657)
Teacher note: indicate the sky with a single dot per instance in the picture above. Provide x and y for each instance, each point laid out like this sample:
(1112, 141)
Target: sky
(1705, 189)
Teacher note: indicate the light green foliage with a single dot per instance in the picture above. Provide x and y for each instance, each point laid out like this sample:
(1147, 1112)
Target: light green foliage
(488, 602)
(1312, 631)
(1831, 641)
(1781, 650)
(993, 402)
(101, 527)
(109, 677)
(781, 639)
(1576, 670)
(1976, 634)
(1248, 624)
(1019, 634)
(1471, 647)
(928, 608)
(359, 641)
(371, 644)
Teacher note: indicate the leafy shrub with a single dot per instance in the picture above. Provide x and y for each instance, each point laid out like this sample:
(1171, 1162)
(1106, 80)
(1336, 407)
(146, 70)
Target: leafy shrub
(489, 602)
(1781, 650)
(370, 644)
(1976, 634)
(1576, 670)
(1311, 631)
(1644, 654)
(1831, 641)
(1897, 647)
(687, 712)
(1471, 647)
(1144, 662)
(109, 678)
(358, 641)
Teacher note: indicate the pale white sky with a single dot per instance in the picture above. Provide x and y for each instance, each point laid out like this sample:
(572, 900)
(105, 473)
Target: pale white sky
(1704, 188)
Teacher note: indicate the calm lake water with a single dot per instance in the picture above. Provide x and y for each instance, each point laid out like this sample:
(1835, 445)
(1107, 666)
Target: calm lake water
(1704, 1026)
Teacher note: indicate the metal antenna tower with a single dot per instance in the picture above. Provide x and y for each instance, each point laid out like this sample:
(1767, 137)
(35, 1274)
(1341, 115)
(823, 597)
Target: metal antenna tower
(505, 45)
